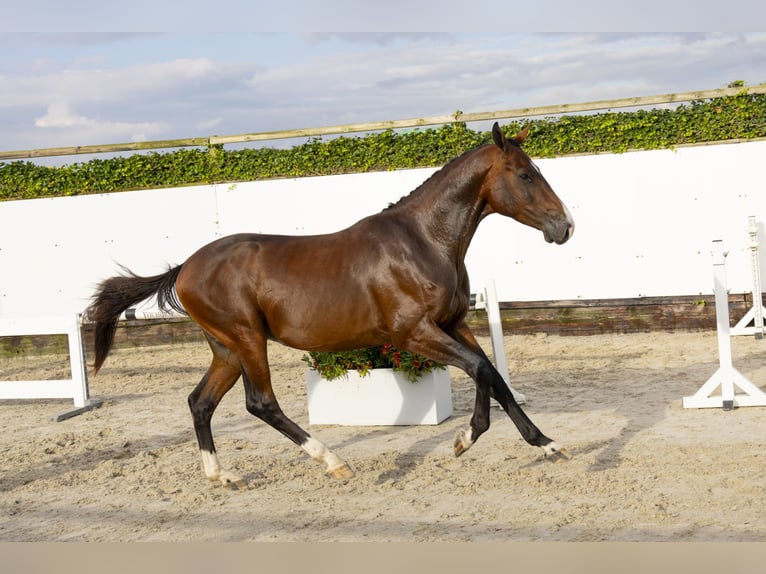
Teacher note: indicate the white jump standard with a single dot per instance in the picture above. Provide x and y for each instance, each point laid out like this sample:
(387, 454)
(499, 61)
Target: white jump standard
(75, 387)
(488, 301)
(726, 377)
(756, 312)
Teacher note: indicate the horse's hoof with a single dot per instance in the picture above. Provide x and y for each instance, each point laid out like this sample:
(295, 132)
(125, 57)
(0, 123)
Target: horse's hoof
(461, 445)
(555, 453)
(341, 473)
(233, 481)
(459, 448)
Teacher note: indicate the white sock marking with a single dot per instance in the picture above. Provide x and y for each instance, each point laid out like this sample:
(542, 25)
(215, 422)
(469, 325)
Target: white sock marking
(210, 464)
(318, 451)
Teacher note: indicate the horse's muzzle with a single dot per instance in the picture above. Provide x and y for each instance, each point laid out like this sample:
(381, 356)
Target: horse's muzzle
(559, 233)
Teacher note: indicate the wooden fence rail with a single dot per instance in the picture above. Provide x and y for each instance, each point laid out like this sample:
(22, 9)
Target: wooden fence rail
(393, 124)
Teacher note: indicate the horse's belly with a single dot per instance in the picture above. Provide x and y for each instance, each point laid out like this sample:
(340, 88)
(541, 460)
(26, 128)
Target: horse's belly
(327, 327)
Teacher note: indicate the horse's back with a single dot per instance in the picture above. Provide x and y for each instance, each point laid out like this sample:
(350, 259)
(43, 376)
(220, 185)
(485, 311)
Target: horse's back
(301, 290)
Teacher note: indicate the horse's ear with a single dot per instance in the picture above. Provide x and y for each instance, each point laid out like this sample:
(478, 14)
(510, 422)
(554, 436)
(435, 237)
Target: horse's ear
(522, 135)
(499, 137)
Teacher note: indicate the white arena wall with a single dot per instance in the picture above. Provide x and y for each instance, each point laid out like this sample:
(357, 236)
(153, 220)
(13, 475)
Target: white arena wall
(644, 226)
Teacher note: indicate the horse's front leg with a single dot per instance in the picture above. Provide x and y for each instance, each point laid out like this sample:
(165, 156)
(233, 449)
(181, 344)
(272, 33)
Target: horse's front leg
(479, 424)
(459, 348)
(430, 340)
(503, 395)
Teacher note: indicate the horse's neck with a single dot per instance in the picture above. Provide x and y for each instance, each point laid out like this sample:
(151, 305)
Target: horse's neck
(447, 207)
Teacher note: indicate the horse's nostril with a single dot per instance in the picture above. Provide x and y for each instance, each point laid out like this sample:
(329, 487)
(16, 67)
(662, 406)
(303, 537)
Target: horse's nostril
(567, 235)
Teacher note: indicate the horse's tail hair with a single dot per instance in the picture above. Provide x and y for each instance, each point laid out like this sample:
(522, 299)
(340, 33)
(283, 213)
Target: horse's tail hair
(116, 294)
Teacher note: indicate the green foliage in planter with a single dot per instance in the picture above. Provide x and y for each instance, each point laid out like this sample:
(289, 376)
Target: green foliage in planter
(735, 117)
(335, 365)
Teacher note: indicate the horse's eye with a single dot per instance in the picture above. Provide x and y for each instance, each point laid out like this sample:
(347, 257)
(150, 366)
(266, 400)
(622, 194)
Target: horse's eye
(525, 176)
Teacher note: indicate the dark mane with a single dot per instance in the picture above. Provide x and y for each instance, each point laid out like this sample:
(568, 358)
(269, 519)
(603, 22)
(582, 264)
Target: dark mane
(438, 174)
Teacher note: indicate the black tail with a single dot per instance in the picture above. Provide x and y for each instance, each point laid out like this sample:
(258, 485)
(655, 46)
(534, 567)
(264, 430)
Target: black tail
(116, 294)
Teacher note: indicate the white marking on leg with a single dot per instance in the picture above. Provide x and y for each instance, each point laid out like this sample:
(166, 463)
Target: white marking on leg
(551, 448)
(318, 451)
(210, 464)
(555, 451)
(464, 440)
(213, 471)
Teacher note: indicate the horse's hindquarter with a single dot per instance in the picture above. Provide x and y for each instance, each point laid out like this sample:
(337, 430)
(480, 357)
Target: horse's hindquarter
(305, 291)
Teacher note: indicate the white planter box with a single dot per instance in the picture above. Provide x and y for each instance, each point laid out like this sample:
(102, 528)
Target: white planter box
(383, 397)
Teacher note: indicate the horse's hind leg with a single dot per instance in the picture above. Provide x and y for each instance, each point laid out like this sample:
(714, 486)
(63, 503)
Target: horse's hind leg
(220, 377)
(261, 402)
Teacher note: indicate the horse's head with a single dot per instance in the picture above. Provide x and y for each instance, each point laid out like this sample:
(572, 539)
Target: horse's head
(516, 188)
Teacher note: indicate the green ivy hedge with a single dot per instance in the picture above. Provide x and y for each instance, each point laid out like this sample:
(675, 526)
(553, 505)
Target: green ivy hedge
(736, 117)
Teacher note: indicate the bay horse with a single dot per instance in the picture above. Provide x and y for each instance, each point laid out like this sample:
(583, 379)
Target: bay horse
(397, 277)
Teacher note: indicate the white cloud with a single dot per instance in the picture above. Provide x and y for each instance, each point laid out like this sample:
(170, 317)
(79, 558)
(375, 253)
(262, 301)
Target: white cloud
(59, 117)
(480, 73)
(245, 83)
(117, 84)
(209, 123)
(81, 106)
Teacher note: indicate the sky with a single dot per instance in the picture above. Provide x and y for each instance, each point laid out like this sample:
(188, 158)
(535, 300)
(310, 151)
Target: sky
(82, 87)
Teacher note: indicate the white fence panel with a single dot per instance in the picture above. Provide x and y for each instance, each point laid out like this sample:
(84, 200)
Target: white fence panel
(311, 205)
(53, 252)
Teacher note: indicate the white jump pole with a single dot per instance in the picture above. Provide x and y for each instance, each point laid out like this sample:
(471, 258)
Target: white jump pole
(490, 303)
(726, 377)
(135, 313)
(756, 312)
